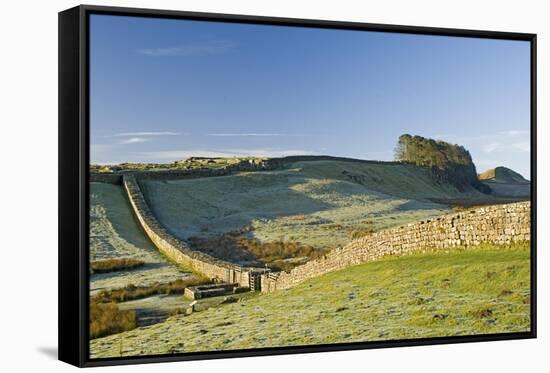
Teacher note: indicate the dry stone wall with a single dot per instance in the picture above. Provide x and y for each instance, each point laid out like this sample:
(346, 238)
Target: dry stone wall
(500, 224)
(269, 164)
(176, 249)
(109, 178)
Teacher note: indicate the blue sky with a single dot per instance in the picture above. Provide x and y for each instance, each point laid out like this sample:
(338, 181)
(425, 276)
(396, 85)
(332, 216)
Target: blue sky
(164, 89)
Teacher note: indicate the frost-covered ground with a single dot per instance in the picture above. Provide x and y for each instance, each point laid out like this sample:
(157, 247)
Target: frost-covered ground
(481, 291)
(114, 233)
(318, 203)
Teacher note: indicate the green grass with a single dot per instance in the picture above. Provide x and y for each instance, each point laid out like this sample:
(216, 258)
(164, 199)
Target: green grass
(482, 291)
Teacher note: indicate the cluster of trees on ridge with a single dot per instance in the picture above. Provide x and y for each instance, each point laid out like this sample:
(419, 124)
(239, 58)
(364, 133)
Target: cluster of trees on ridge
(422, 151)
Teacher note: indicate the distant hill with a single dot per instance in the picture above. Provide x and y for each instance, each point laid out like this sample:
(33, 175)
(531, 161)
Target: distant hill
(502, 175)
(505, 182)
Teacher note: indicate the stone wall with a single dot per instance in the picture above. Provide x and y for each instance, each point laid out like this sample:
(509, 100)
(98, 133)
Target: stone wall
(200, 172)
(275, 163)
(176, 249)
(109, 178)
(267, 164)
(500, 224)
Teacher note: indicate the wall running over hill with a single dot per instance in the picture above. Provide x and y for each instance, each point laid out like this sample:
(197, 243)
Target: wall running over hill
(268, 164)
(500, 224)
(176, 249)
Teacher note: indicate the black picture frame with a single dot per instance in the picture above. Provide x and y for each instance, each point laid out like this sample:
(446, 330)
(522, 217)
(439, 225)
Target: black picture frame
(74, 177)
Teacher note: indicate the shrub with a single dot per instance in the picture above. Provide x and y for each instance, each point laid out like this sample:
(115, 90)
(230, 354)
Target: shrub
(364, 231)
(234, 246)
(107, 319)
(361, 233)
(115, 264)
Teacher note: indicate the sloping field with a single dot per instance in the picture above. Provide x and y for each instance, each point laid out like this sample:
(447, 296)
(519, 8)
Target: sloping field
(502, 175)
(505, 182)
(482, 291)
(319, 203)
(520, 191)
(114, 233)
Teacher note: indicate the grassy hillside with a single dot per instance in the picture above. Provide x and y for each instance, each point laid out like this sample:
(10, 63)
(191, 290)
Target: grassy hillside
(114, 233)
(319, 203)
(502, 175)
(506, 182)
(424, 295)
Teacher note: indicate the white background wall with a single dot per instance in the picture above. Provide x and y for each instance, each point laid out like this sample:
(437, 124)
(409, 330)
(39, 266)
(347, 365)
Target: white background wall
(28, 187)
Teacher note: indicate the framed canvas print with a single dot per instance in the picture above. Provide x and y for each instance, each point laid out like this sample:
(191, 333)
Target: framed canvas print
(233, 186)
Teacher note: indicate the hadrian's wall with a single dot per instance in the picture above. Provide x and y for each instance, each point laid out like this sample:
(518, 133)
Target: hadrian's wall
(274, 163)
(176, 249)
(500, 224)
(169, 174)
(244, 165)
(109, 178)
(201, 172)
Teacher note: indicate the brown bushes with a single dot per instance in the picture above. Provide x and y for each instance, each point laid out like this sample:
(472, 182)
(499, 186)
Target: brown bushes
(369, 229)
(115, 264)
(105, 316)
(107, 319)
(234, 246)
(361, 233)
(459, 208)
(272, 253)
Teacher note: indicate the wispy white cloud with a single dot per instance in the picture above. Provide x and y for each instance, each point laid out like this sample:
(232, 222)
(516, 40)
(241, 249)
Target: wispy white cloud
(503, 136)
(491, 147)
(523, 146)
(245, 134)
(159, 133)
(190, 50)
(134, 140)
(514, 132)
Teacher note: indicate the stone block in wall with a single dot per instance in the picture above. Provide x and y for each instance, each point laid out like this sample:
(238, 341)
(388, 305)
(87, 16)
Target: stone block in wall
(500, 224)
